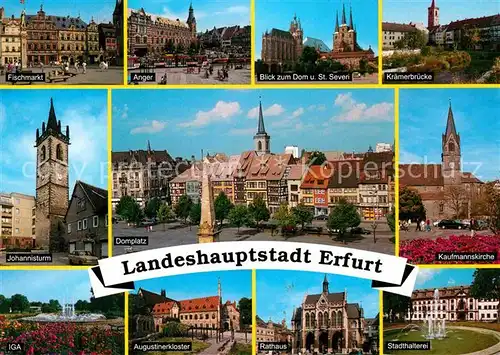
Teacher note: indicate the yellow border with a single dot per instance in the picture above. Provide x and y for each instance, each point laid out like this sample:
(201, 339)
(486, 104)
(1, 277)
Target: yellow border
(125, 42)
(254, 311)
(125, 320)
(380, 41)
(109, 136)
(396, 171)
(253, 40)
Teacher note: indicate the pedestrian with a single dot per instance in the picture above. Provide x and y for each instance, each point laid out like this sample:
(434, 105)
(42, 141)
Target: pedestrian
(84, 66)
(472, 227)
(422, 225)
(428, 226)
(41, 66)
(76, 67)
(417, 229)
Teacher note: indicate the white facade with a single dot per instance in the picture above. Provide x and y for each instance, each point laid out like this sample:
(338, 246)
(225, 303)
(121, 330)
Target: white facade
(383, 147)
(292, 149)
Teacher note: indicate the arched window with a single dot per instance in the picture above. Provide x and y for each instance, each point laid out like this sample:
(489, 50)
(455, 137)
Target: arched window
(334, 319)
(43, 154)
(451, 147)
(259, 146)
(320, 319)
(313, 320)
(339, 319)
(308, 324)
(325, 319)
(59, 152)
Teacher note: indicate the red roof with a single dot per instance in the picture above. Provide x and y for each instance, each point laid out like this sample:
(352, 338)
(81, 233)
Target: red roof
(479, 22)
(469, 178)
(163, 308)
(420, 175)
(200, 304)
(317, 177)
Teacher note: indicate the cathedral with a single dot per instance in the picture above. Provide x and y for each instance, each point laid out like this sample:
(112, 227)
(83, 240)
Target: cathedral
(280, 47)
(326, 322)
(446, 190)
(52, 190)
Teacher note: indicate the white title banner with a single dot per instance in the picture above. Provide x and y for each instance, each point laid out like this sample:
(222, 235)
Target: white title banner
(387, 272)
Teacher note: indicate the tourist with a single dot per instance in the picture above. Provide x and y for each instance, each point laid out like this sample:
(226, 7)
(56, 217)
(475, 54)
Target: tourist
(41, 66)
(472, 227)
(417, 229)
(422, 225)
(76, 67)
(428, 226)
(84, 66)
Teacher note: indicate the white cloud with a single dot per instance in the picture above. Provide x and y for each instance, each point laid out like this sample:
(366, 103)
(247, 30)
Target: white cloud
(150, 128)
(298, 112)
(125, 111)
(352, 111)
(273, 110)
(425, 275)
(321, 107)
(223, 111)
(241, 131)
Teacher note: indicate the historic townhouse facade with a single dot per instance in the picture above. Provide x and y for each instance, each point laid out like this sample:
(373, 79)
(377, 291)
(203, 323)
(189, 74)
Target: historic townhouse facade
(42, 38)
(13, 39)
(149, 33)
(326, 322)
(454, 304)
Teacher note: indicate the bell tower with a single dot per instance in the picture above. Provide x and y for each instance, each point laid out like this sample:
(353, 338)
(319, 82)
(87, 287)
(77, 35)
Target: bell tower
(191, 21)
(451, 152)
(52, 190)
(262, 139)
(432, 15)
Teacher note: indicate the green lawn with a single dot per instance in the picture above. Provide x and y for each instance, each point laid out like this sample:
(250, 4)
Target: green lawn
(457, 342)
(198, 346)
(241, 349)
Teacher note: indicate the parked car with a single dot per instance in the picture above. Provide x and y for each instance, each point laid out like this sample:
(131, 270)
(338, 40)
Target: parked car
(436, 223)
(288, 230)
(359, 230)
(82, 257)
(482, 225)
(321, 217)
(312, 229)
(451, 224)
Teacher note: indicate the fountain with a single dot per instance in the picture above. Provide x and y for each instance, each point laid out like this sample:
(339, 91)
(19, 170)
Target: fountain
(436, 328)
(68, 314)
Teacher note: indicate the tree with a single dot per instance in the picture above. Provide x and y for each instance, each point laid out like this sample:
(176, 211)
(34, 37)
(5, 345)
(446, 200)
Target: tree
(258, 210)
(309, 55)
(316, 158)
(391, 220)
(195, 214)
(222, 206)
(19, 303)
(471, 36)
(396, 305)
(152, 207)
(52, 307)
(192, 49)
(412, 40)
(4, 304)
(183, 207)
(245, 307)
(165, 214)
(239, 216)
(179, 49)
(303, 214)
(129, 209)
(455, 197)
(284, 217)
(488, 205)
(486, 284)
(363, 65)
(343, 216)
(137, 305)
(410, 205)
(82, 306)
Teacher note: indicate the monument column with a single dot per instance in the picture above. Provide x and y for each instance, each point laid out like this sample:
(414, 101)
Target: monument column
(206, 232)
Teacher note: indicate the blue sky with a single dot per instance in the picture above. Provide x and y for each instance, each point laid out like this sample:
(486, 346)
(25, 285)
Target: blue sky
(404, 11)
(101, 10)
(186, 121)
(235, 285)
(279, 291)
(422, 121)
(38, 285)
(208, 13)
(437, 278)
(23, 111)
(317, 19)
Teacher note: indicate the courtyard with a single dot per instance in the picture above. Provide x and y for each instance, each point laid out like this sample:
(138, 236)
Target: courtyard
(175, 234)
(179, 76)
(93, 76)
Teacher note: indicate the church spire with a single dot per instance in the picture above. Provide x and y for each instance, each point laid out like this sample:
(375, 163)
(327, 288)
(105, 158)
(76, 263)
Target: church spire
(261, 129)
(325, 285)
(351, 24)
(337, 22)
(149, 146)
(450, 123)
(52, 121)
(343, 15)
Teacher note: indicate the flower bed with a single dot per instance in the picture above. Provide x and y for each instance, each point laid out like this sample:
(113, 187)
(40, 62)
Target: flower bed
(61, 338)
(423, 251)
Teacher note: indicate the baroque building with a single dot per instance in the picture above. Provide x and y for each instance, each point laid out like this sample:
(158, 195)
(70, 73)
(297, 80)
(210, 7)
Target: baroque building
(149, 33)
(454, 304)
(446, 190)
(326, 322)
(52, 191)
(13, 39)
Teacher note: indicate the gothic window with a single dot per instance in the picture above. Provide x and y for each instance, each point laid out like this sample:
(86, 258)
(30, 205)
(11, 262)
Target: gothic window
(313, 320)
(320, 319)
(43, 154)
(308, 324)
(339, 319)
(259, 146)
(59, 152)
(325, 319)
(451, 147)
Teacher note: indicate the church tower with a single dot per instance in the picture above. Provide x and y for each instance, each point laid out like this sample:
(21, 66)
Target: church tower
(191, 21)
(344, 37)
(298, 36)
(51, 178)
(432, 15)
(118, 23)
(451, 152)
(325, 285)
(262, 139)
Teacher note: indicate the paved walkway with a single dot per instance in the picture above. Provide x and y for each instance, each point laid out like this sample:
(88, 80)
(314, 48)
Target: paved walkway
(178, 76)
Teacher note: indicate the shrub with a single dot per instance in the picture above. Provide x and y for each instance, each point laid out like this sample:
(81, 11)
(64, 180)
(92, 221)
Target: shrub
(426, 51)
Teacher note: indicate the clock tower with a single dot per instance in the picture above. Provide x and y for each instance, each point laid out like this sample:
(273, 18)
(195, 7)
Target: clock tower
(51, 179)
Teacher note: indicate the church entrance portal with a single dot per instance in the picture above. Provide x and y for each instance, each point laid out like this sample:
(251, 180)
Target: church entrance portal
(310, 342)
(323, 343)
(336, 341)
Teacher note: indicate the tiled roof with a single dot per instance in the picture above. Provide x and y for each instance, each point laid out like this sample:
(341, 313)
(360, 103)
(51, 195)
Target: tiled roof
(194, 173)
(297, 172)
(397, 27)
(420, 175)
(245, 164)
(346, 174)
(141, 156)
(62, 22)
(317, 177)
(376, 168)
(332, 297)
(210, 303)
(469, 178)
(428, 293)
(269, 167)
(164, 307)
(353, 310)
(479, 22)
(280, 33)
(316, 43)
(229, 32)
(151, 298)
(98, 197)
